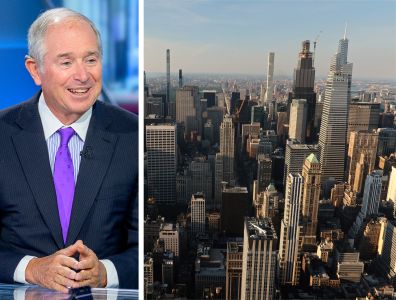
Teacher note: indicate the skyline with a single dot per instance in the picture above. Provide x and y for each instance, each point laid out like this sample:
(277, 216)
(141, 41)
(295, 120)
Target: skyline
(236, 40)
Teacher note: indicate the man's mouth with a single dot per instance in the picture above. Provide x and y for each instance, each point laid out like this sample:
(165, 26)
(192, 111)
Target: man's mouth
(79, 91)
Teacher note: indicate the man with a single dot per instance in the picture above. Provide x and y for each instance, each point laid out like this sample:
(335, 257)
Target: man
(68, 168)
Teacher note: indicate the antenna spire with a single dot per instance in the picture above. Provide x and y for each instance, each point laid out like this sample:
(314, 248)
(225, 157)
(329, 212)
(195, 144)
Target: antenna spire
(346, 26)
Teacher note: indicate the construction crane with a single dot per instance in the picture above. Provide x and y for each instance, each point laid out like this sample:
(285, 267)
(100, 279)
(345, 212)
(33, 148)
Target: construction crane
(314, 51)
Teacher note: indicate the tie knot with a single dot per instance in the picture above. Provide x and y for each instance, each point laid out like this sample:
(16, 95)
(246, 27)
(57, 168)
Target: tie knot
(66, 134)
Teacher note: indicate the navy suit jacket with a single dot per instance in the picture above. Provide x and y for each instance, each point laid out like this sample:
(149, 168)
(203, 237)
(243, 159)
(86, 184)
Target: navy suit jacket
(105, 209)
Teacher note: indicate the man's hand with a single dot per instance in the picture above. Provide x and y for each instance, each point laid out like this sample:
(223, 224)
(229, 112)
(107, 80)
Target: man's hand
(92, 271)
(55, 271)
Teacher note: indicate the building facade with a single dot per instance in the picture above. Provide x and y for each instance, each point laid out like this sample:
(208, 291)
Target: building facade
(161, 162)
(290, 234)
(259, 259)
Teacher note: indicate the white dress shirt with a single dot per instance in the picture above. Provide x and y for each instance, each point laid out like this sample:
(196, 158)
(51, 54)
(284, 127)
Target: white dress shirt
(51, 125)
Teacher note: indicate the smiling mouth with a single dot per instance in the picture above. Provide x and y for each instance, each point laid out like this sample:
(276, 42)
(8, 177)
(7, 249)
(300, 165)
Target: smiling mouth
(78, 91)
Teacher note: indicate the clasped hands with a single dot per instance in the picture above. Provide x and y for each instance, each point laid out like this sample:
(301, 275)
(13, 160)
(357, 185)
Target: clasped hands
(61, 271)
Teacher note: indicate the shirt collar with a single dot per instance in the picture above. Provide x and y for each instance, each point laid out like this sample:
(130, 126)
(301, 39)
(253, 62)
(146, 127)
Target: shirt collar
(51, 124)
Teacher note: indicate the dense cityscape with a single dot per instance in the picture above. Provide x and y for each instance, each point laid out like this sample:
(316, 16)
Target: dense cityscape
(270, 188)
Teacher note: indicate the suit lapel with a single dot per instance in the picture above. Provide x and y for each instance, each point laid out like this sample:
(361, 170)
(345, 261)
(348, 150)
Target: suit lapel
(98, 151)
(32, 151)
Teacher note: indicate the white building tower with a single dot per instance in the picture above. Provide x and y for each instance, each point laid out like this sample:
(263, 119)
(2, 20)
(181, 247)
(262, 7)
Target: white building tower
(290, 235)
(270, 77)
(333, 130)
(197, 213)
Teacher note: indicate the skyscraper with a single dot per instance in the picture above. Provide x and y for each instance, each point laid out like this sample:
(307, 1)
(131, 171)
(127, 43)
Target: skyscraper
(167, 81)
(201, 178)
(333, 130)
(363, 116)
(290, 235)
(225, 158)
(391, 195)
(264, 170)
(270, 202)
(161, 162)
(180, 78)
(362, 153)
(148, 275)
(371, 236)
(298, 116)
(188, 109)
(210, 95)
(234, 208)
(370, 203)
(386, 141)
(170, 234)
(270, 78)
(198, 213)
(388, 255)
(259, 259)
(234, 270)
(295, 155)
(372, 193)
(310, 199)
(303, 88)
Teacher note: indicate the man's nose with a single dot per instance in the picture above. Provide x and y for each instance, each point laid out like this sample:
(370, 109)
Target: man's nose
(81, 73)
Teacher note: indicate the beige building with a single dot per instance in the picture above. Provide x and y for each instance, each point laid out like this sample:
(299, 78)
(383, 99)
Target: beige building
(259, 259)
(290, 234)
(298, 117)
(170, 234)
(370, 243)
(310, 199)
(362, 153)
(148, 276)
(234, 270)
(391, 195)
(198, 218)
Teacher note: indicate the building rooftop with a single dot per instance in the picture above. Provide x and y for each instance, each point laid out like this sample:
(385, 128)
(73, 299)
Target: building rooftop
(234, 247)
(236, 189)
(211, 263)
(261, 228)
(168, 227)
(312, 159)
(271, 188)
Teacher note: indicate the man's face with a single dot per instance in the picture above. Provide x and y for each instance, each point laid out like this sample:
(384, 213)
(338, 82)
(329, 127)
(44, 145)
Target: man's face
(71, 71)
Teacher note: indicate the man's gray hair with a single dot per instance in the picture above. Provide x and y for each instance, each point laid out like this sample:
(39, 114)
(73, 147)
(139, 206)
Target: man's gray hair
(39, 27)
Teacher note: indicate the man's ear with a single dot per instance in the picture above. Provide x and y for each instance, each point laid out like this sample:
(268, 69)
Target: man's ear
(33, 69)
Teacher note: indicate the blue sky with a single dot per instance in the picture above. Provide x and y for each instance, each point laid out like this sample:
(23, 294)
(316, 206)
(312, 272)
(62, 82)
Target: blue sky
(230, 36)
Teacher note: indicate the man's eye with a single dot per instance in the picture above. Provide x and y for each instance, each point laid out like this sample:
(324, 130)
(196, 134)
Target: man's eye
(66, 63)
(92, 61)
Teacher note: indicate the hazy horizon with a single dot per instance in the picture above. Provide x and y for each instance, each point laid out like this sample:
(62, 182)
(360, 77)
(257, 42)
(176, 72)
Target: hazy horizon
(235, 37)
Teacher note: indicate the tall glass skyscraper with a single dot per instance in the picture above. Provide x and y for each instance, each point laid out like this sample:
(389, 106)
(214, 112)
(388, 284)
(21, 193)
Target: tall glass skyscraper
(333, 130)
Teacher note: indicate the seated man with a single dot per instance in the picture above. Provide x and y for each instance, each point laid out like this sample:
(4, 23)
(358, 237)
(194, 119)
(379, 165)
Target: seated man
(68, 168)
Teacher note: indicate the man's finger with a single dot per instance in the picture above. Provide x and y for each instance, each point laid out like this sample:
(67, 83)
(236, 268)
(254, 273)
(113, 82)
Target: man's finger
(83, 275)
(68, 283)
(69, 251)
(87, 282)
(87, 263)
(67, 272)
(82, 249)
(66, 261)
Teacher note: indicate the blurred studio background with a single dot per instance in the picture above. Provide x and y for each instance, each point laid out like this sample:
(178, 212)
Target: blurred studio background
(117, 21)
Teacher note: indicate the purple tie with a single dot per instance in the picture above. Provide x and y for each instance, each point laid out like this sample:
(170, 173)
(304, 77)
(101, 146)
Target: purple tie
(64, 179)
